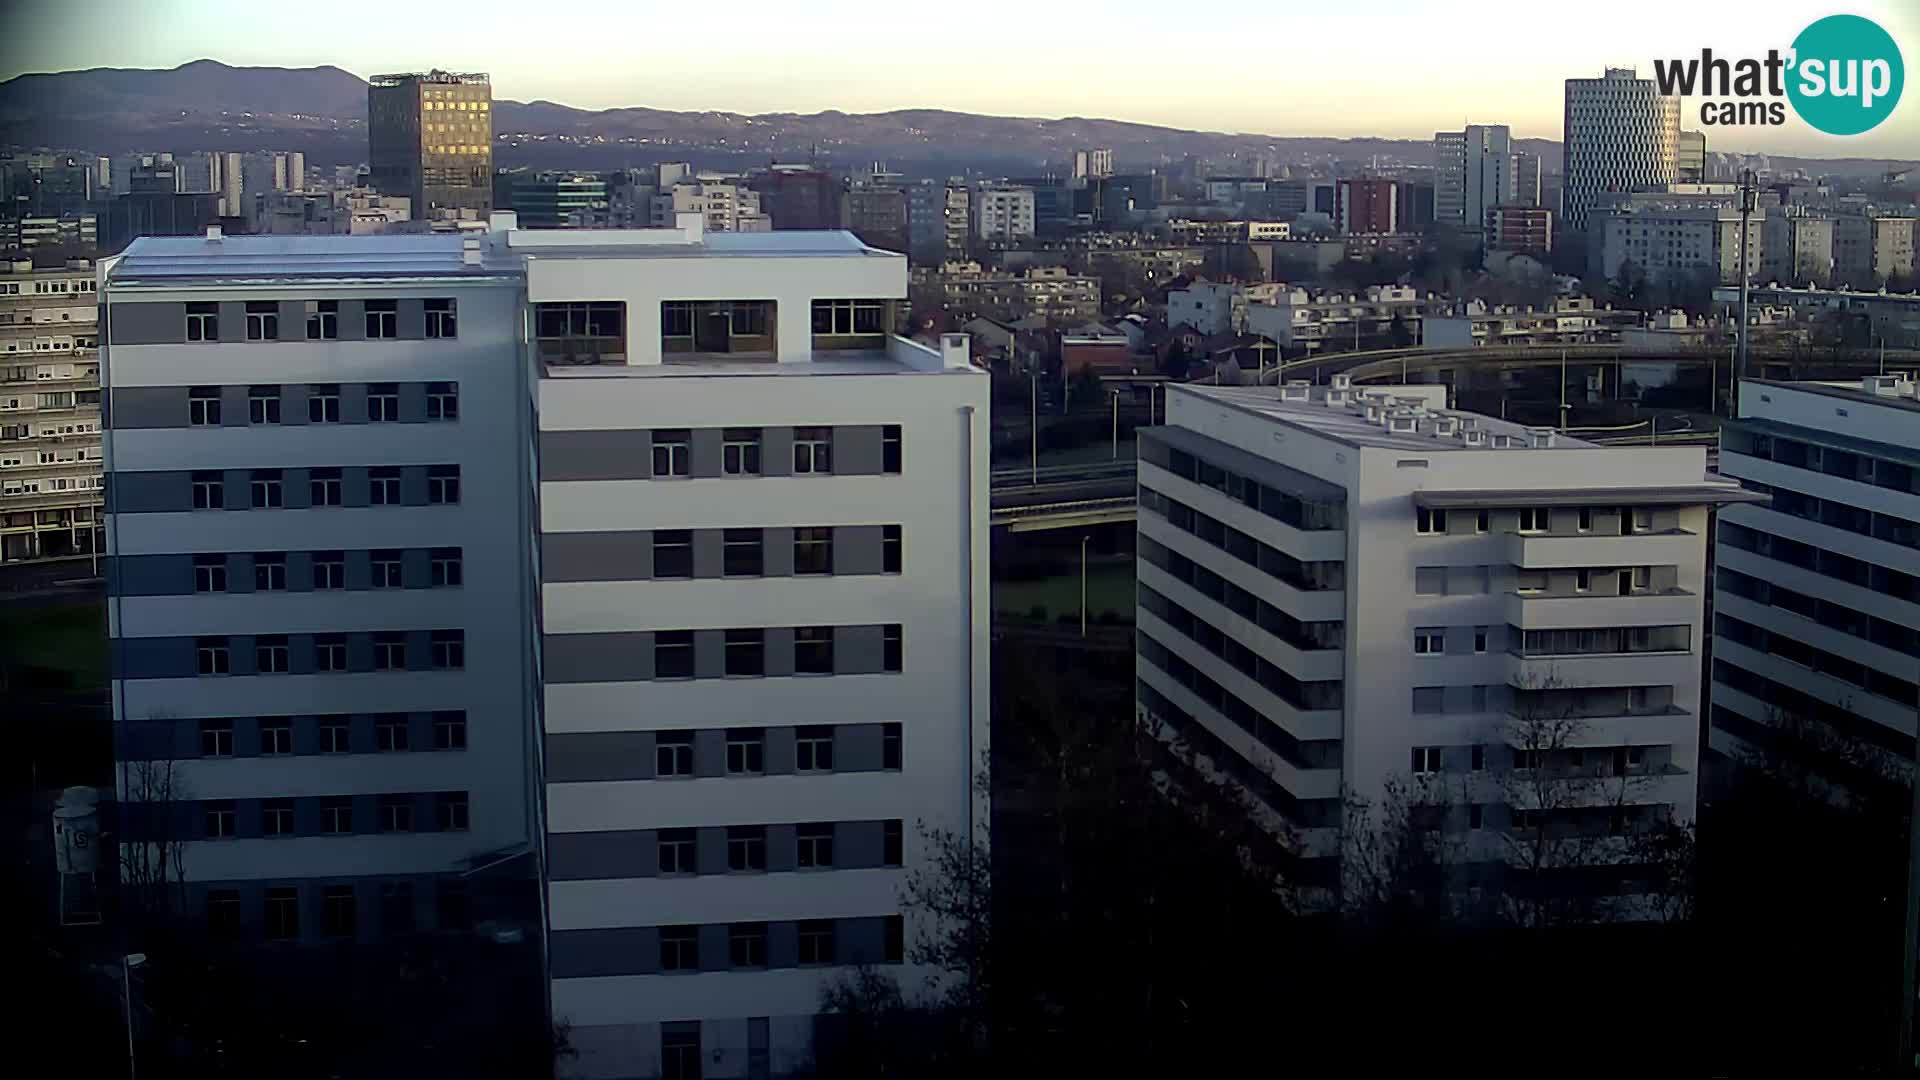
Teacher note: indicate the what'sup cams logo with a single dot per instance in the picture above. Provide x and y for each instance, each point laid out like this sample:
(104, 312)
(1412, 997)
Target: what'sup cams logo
(1843, 76)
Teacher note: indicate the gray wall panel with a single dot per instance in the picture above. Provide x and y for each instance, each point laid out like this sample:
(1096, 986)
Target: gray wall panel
(710, 850)
(856, 747)
(596, 455)
(780, 650)
(779, 751)
(856, 450)
(233, 320)
(776, 451)
(353, 400)
(155, 658)
(709, 654)
(858, 650)
(296, 488)
(153, 575)
(777, 545)
(576, 954)
(856, 549)
(412, 321)
(857, 845)
(710, 752)
(293, 399)
(149, 407)
(147, 324)
(233, 401)
(709, 553)
(293, 320)
(413, 485)
(413, 401)
(353, 320)
(598, 556)
(600, 855)
(152, 492)
(703, 458)
(595, 756)
(782, 848)
(616, 657)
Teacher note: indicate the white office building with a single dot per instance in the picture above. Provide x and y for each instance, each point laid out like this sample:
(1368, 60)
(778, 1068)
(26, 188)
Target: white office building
(1004, 214)
(723, 200)
(1477, 169)
(1817, 596)
(1621, 134)
(653, 552)
(1347, 587)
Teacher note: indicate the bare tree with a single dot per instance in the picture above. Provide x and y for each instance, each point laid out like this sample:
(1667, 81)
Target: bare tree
(152, 876)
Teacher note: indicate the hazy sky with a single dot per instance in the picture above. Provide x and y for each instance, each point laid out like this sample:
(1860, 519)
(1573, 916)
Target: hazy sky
(1395, 68)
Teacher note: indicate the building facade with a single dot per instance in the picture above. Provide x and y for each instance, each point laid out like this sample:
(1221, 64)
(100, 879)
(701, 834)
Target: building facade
(1690, 163)
(1868, 249)
(561, 201)
(1366, 206)
(1621, 134)
(1477, 169)
(1527, 229)
(430, 138)
(1489, 629)
(1043, 292)
(50, 467)
(1797, 247)
(723, 201)
(1002, 214)
(1817, 596)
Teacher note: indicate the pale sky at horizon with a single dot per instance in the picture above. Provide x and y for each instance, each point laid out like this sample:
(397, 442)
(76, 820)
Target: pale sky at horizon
(1393, 68)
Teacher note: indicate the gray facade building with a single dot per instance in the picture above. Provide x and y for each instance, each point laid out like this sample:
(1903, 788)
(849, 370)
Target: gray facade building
(430, 138)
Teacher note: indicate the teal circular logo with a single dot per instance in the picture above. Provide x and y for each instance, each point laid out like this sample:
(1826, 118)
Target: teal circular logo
(1846, 75)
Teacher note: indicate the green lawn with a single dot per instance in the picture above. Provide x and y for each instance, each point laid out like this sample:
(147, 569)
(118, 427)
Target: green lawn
(64, 641)
(1109, 588)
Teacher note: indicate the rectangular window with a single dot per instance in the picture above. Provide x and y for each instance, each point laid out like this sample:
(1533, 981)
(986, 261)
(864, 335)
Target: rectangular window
(892, 647)
(747, 945)
(676, 851)
(746, 652)
(890, 448)
(209, 573)
(276, 734)
(383, 319)
(740, 452)
(219, 819)
(211, 655)
(672, 553)
(812, 450)
(203, 322)
(679, 948)
(673, 754)
(746, 848)
(264, 490)
(443, 485)
(216, 738)
(1533, 519)
(1479, 639)
(336, 815)
(890, 746)
(672, 451)
(450, 730)
(383, 485)
(396, 907)
(1426, 760)
(1429, 522)
(443, 401)
(336, 735)
(223, 914)
(276, 817)
(452, 905)
(1586, 519)
(847, 318)
(676, 319)
(269, 571)
(283, 913)
(680, 1050)
(890, 549)
(813, 550)
(396, 813)
(673, 654)
(209, 490)
(816, 941)
(263, 320)
(263, 405)
(893, 839)
(329, 570)
(323, 320)
(449, 650)
(323, 403)
(813, 749)
(390, 732)
(746, 751)
(385, 567)
(1481, 521)
(1429, 642)
(446, 568)
(1582, 580)
(1479, 758)
(451, 811)
(389, 651)
(741, 553)
(816, 845)
(1475, 816)
(324, 487)
(383, 403)
(813, 650)
(440, 318)
(337, 910)
(1429, 699)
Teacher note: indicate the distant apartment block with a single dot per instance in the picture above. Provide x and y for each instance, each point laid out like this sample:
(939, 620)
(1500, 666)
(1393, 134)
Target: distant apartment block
(1796, 247)
(1003, 214)
(50, 465)
(1366, 206)
(1047, 293)
(430, 139)
(1690, 164)
(1477, 169)
(723, 201)
(1868, 249)
(1089, 164)
(1522, 229)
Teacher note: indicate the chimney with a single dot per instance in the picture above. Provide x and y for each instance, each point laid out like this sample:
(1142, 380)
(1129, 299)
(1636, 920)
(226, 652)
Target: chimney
(213, 234)
(503, 221)
(956, 350)
(692, 223)
(470, 251)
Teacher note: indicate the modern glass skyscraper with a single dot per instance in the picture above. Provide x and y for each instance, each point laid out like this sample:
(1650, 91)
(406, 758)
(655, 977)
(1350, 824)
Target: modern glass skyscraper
(1622, 134)
(430, 138)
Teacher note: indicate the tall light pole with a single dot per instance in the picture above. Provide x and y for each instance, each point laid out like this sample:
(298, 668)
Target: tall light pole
(1746, 275)
(127, 964)
(1083, 585)
(1116, 425)
(1910, 957)
(1033, 424)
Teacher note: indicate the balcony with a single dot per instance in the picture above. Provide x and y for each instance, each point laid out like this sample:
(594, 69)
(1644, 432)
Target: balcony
(1675, 668)
(1564, 611)
(1574, 551)
(702, 330)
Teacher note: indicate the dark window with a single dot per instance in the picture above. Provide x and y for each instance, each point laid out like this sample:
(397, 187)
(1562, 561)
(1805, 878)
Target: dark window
(209, 490)
(450, 730)
(890, 549)
(209, 573)
(746, 751)
(449, 650)
(336, 815)
(893, 843)
(383, 486)
(263, 321)
(741, 553)
(676, 851)
(276, 735)
(283, 913)
(443, 401)
(816, 941)
(211, 654)
(396, 813)
(276, 817)
(747, 945)
(679, 948)
(443, 484)
(894, 939)
(813, 650)
(203, 322)
(813, 550)
(892, 646)
(337, 910)
(390, 651)
(890, 746)
(323, 320)
(383, 319)
(269, 571)
(263, 405)
(446, 568)
(324, 488)
(219, 819)
(329, 569)
(746, 652)
(223, 914)
(813, 749)
(390, 732)
(812, 450)
(816, 845)
(672, 449)
(673, 654)
(216, 738)
(336, 735)
(454, 907)
(396, 907)
(450, 809)
(440, 318)
(740, 452)
(890, 448)
(203, 406)
(746, 848)
(680, 1050)
(264, 490)
(673, 753)
(672, 553)
(385, 567)
(383, 403)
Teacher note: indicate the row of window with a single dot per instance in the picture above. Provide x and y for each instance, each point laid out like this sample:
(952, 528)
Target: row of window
(743, 551)
(445, 568)
(1301, 512)
(1530, 520)
(1276, 681)
(1843, 668)
(746, 751)
(1195, 738)
(1839, 515)
(392, 733)
(1834, 616)
(1303, 754)
(1788, 702)
(280, 910)
(392, 814)
(1593, 761)
(679, 849)
(740, 451)
(1270, 560)
(1295, 632)
(51, 399)
(1432, 640)
(381, 320)
(46, 485)
(1846, 464)
(272, 653)
(266, 488)
(818, 941)
(204, 408)
(745, 651)
(49, 431)
(1824, 561)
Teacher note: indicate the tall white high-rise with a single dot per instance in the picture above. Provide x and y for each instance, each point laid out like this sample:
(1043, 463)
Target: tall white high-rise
(1621, 134)
(1477, 169)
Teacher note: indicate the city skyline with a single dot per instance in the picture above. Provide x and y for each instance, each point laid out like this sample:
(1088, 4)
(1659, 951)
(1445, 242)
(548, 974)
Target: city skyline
(1402, 85)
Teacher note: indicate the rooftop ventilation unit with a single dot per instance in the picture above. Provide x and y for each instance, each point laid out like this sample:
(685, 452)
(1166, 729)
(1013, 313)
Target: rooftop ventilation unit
(1893, 385)
(1403, 424)
(1342, 382)
(1501, 442)
(1473, 437)
(1296, 390)
(1445, 426)
(1336, 397)
(1540, 438)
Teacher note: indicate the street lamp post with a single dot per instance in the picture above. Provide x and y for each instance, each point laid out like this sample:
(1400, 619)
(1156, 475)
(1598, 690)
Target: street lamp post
(127, 964)
(1083, 585)
(1033, 424)
(1116, 425)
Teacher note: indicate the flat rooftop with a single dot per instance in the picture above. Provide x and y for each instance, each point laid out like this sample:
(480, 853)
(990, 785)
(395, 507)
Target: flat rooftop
(1349, 424)
(1849, 391)
(876, 362)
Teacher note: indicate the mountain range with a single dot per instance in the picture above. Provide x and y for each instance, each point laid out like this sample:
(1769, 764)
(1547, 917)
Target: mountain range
(207, 105)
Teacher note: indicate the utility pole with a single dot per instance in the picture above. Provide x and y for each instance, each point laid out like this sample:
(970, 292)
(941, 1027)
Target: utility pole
(1083, 585)
(1033, 424)
(1116, 425)
(1563, 389)
(1910, 958)
(1746, 276)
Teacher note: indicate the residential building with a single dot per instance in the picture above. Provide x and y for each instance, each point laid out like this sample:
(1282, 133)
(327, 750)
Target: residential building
(1816, 601)
(1209, 307)
(1870, 248)
(1796, 247)
(1477, 169)
(725, 203)
(877, 214)
(49, 412)
(319, 599)
(1525, 229)
(1416, 205)
(799, 196)
(938, 217)
(1042, 292)
(1691, 158)
(1519, 609)
(760, 601)
(561, 201)
(1892, 317)
(1673, 236)
(430, 138)
(1366, 206)
(1092, 163)
(1302, 321)
(1002, 213)
(1621, 134)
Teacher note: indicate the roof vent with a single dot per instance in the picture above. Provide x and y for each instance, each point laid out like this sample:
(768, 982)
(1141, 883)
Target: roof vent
(1295, 390)
(1540, 438)
(1403, 424)
(1894, 385)
(1444, 426)
(1342, 381)
(470, 250)
(213, 234)
(1473, 437)
(1501, 442)
(1336, 396)
(1373, 412)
